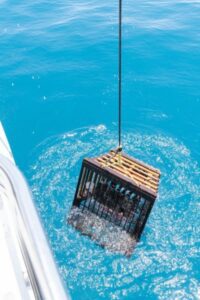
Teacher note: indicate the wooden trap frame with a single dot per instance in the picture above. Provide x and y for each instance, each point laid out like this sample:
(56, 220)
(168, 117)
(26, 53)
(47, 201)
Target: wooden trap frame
(118, 189)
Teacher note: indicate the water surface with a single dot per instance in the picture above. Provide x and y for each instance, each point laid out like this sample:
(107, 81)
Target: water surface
(58, 93)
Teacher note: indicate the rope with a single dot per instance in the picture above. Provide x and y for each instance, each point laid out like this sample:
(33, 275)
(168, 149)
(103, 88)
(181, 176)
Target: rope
(119, 148)
(120, 78)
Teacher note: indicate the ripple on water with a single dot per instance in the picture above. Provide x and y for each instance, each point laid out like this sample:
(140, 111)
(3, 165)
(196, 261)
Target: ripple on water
(165, 262)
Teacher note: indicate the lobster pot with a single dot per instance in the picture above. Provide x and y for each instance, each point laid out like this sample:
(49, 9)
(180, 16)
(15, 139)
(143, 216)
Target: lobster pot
(121, 192)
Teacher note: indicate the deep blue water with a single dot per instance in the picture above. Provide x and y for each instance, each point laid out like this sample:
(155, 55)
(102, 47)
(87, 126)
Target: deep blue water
(58, 93)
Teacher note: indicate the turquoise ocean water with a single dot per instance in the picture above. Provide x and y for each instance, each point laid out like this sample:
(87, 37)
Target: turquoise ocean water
(58, 103)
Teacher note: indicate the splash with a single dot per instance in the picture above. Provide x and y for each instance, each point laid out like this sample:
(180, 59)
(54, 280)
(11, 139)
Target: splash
(165, 263)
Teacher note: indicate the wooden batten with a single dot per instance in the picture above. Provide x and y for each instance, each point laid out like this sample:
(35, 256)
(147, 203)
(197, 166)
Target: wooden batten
(144, 178)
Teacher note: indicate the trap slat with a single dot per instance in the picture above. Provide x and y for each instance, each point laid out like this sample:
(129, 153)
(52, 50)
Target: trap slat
(138, 168)
(133, 170)
(130, 173)
(138, 164)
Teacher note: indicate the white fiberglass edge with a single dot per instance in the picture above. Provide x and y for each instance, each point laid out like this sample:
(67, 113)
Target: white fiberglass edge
(4, 145)
(27, 267)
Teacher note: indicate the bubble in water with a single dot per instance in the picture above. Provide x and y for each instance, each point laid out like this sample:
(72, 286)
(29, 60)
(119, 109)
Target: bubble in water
(163, 265)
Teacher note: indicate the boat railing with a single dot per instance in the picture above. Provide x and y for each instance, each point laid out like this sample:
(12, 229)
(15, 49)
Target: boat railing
(43, 276)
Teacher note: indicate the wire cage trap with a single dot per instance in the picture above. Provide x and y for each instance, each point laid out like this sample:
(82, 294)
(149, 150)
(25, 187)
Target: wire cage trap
(113, 199)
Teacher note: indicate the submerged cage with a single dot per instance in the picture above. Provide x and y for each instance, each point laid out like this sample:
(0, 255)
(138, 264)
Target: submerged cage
(120, 192)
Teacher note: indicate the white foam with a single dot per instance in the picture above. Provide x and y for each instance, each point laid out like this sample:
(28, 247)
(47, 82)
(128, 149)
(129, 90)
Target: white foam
(170, 243)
